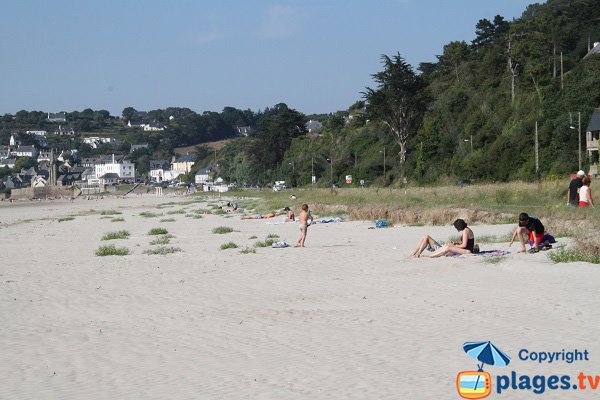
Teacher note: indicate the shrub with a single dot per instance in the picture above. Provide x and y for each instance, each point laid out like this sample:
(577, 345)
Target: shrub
(162, 250)
(116, 235)
(565, 256)
(110, 212)
(167, 220)
(166, 239)
(176, 212)
(222, 229)
(229, 245)
(148, 214)
(272, 236)
(248, 250)
(117, 220)
(111, 250)
(157, 231)
(266, 243)
(66, 219)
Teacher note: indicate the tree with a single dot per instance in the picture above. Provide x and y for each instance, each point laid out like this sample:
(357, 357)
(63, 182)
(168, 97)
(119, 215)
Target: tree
(128, 113)
(24, 163)
(398, 101)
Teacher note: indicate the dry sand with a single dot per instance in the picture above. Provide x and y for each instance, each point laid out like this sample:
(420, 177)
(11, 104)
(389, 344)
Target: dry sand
(348, 317)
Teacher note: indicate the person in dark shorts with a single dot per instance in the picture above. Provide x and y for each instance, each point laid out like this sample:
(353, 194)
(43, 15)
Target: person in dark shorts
(529, 229)
(572, 193)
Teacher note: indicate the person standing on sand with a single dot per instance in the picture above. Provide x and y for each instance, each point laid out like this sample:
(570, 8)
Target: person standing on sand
(303, 224)
(531, 229)
(573, 192)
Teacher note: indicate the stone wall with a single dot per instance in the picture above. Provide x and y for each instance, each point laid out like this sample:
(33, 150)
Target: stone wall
(54, 192)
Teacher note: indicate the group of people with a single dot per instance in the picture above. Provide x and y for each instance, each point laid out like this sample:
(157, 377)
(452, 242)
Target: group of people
(579, 193)
(529, 230)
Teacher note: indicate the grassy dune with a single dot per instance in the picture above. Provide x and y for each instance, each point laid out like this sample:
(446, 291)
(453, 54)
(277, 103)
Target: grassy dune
(488, 203)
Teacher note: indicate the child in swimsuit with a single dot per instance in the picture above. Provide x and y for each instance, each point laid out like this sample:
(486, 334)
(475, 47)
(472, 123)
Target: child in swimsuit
(303, 224)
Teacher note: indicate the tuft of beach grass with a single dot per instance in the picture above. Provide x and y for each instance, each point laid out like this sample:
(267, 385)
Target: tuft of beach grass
(165, 239)
(163, 250)
(248, 250)
(115, 235)
(111, 250)
(157, 231)
(222, 230)
(148, 214)
(229, 245)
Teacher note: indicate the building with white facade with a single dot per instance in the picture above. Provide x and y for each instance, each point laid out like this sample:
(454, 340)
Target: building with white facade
(125, 169)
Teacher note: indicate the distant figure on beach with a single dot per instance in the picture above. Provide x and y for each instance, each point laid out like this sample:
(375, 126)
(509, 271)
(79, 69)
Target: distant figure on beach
(303, 224)
(585, 194)
(290, 215)
(573, 192)
(232, 206)
(466, 245)
(259, 216)
(529, 229)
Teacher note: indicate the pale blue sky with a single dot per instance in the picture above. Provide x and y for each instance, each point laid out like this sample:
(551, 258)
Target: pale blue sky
(314, 55)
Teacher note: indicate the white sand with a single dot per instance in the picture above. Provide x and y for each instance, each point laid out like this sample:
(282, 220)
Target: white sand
(348, 317)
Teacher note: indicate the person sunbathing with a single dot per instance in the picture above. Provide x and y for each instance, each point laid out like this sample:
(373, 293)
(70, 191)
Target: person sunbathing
(259, 216)
(466, 246)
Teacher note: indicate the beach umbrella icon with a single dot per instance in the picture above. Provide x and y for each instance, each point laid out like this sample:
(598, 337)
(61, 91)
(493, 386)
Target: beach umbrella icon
(487, 353)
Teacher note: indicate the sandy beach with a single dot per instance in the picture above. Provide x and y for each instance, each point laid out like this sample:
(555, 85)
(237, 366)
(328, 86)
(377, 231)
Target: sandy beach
(347, 317)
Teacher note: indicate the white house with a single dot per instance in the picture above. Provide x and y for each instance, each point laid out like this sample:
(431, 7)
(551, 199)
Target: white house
(313, 125)
(7, 162)
(202, 176)
(158, 170)
(26, 151)
(57, 117)
(37, 133)
(125, 169)
(183, 164)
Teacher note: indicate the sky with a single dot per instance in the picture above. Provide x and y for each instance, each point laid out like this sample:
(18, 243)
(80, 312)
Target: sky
(317, 56)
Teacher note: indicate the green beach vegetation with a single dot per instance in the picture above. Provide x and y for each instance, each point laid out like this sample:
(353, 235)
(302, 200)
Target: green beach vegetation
(111, 250)
(116, 235)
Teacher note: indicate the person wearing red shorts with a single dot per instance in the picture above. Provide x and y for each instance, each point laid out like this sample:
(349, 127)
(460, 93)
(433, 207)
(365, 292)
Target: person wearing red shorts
(530, 229)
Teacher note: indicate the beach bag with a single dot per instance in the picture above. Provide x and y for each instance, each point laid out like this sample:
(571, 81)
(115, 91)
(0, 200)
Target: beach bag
(382, 223)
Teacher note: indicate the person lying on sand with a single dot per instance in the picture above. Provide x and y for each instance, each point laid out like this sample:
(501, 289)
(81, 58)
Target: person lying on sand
(466, 246)
(259, 216)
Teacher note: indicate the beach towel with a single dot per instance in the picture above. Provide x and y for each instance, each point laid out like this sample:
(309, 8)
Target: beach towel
(327, 220)
(280, 245)
(488, 253)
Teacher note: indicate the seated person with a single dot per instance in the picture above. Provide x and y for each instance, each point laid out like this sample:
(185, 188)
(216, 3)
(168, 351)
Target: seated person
(290, 215)
(232, 206)
(466, 246)
(530, 229)
(425, 243)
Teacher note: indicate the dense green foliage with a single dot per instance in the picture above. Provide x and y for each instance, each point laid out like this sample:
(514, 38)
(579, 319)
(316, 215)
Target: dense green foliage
(482, 99)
